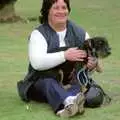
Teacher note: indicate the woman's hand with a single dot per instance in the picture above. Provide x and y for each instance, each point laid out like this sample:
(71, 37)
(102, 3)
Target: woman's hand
(75, 54)
(92, 63)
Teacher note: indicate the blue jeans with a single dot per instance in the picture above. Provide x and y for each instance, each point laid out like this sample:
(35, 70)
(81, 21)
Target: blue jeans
(50, 90)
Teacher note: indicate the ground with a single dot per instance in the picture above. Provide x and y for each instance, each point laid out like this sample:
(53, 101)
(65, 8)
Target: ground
(98, 18)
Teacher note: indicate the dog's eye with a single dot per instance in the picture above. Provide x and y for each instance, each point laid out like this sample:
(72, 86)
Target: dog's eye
(100, 43)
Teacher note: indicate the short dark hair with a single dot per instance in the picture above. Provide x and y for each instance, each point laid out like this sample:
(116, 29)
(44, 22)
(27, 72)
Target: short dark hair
(46, 5)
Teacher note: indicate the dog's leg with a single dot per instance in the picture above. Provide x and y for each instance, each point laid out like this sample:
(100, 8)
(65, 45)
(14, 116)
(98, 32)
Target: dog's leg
(61, 75)
(66, 87)
(83, 88)
(98, 68)
(61, 80)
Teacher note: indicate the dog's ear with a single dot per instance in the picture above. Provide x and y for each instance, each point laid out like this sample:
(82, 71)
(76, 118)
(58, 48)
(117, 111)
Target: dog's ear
(91, 42)
(86, 44)
(98, 42)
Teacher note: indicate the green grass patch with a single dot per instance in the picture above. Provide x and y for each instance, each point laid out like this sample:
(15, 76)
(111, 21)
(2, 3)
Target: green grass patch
(98, 18)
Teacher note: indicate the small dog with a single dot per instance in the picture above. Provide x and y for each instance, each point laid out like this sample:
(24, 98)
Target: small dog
(97, 47)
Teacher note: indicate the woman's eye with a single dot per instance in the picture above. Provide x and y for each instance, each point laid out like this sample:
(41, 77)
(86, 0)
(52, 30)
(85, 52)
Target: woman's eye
(56, 7)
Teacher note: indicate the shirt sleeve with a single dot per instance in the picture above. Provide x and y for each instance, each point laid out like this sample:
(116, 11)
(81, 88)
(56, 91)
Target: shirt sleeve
(87, 36)
(38, 56)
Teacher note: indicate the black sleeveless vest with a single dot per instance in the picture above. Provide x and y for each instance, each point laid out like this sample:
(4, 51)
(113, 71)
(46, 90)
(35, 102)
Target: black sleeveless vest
(75, 36)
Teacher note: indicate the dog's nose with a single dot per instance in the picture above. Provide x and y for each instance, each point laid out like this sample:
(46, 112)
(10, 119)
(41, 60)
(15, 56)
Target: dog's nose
(109, 51)
(109, 48)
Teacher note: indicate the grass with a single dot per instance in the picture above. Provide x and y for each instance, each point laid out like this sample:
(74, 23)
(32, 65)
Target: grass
(98, 18)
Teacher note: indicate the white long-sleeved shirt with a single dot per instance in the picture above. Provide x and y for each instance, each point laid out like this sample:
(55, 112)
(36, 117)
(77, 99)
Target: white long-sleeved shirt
(38, 56)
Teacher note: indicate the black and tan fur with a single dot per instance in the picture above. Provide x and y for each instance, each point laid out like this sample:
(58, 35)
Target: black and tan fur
(97, 47)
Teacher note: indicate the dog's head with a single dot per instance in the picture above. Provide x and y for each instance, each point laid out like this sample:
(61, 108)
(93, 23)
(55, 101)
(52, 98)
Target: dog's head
(99, 46)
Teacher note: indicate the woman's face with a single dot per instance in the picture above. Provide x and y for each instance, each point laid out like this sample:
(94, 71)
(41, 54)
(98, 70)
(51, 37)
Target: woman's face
(58, 13)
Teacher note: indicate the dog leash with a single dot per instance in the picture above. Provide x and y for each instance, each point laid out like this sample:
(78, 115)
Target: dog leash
(84, 80)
